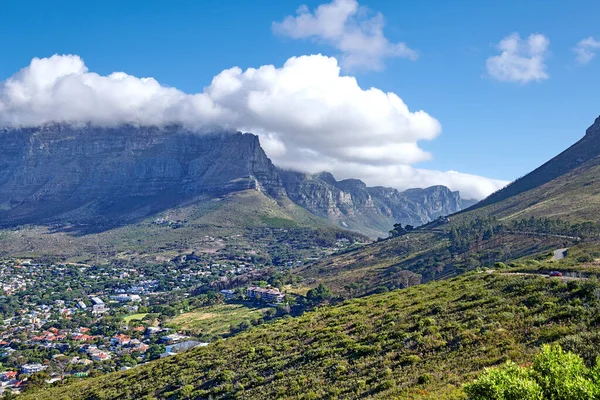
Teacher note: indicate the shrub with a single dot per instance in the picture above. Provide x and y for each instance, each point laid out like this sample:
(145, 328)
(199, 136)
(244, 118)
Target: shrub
(555, 374)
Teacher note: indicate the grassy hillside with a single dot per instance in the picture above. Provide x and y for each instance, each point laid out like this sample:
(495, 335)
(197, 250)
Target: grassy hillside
(417, 343)
(215, 320)
(574, 196)
(383, 265)
(204, 225)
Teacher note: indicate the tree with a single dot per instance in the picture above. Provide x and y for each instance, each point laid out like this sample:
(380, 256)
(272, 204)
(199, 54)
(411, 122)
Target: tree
(398, 230)
(319, 294)
(408, 278)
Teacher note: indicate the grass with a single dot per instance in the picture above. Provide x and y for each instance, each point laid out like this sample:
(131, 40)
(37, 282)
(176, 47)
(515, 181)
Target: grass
(419, 343)
(134, 317)
(215, 320)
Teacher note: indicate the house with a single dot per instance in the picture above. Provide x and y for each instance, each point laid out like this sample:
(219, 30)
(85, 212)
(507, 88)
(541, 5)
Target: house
(120, 340)
(153, 330)
(8, 376)
(227, 293)
(266, 294)
(32, 368)
(172, 338)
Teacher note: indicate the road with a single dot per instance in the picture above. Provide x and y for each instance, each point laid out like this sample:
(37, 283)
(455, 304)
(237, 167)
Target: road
(564, 278)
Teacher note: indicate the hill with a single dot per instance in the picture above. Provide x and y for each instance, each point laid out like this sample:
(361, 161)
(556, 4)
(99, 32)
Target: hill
(245, 222)
(555, 206)
(580, 158)
(418, 343)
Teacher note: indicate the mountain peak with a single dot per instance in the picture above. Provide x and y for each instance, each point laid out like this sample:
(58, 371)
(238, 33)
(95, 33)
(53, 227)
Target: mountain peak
(594, 129)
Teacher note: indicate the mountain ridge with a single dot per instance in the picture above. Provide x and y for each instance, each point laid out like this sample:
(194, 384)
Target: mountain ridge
(105, 176)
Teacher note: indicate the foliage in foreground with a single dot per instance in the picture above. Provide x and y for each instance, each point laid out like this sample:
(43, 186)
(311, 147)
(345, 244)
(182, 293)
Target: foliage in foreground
(555, 374)
(424, 342)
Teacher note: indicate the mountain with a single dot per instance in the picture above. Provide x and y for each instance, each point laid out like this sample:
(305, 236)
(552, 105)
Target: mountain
(578, 160)
(420, 343)
(371, 210)
(555, 206)
(96, 179)
(113, 176)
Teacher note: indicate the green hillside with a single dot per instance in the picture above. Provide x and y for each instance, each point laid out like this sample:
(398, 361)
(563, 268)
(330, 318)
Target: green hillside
(202, 225)
(555, 206)
(419, 343)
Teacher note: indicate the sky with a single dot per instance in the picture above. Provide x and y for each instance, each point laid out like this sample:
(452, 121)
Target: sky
(468, 94)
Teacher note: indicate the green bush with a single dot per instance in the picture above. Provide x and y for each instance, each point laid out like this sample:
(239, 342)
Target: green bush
(554, 375)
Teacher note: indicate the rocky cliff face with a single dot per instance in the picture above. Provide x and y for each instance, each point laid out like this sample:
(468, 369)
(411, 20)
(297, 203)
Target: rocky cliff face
(106, 176)
(372, 210)
(83, 174)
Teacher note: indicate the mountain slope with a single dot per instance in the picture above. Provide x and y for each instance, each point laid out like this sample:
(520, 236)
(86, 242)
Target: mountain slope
(244, 219)
(582, 154)
(562, 197)
(90, 179)
(371, 210)
(420, 343)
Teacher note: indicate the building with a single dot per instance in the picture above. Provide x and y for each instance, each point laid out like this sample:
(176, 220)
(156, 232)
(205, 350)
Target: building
(98, 306)
(172, 338)
(123, 298)
(32, 368)
(267, 294)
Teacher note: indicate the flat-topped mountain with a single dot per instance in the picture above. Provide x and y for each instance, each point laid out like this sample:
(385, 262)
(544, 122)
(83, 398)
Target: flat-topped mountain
(108, 177)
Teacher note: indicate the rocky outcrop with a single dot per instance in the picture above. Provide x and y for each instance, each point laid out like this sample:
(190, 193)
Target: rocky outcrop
(585, 150)
(84, 174)
(103, 177)
(372, 210)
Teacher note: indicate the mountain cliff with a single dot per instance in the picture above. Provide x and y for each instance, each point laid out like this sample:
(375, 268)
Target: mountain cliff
(372, 210)
(89, 174)
(105, 177)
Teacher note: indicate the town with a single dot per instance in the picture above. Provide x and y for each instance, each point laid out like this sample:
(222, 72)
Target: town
(72, 321)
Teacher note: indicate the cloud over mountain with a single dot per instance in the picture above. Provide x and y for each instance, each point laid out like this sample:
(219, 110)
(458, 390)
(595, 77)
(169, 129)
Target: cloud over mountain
(309, 116)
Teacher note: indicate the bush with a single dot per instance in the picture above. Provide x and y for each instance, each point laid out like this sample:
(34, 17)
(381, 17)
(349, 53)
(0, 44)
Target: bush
(555, 374)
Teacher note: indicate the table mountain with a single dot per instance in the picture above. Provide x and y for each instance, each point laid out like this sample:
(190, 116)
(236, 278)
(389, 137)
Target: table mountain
(106, 177)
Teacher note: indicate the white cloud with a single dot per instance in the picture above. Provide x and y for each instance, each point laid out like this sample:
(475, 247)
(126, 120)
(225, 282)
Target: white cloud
(520, 60)
(349, 28)
(585, 50)
(309, 117)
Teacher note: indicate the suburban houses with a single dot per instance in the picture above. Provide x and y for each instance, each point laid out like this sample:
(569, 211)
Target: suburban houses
(267, 294)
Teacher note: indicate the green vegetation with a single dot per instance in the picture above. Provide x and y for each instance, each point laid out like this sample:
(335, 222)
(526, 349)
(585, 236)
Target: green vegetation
(216, 320)
(555, 374)
(423, 342)
(134, 317)
(241, 220)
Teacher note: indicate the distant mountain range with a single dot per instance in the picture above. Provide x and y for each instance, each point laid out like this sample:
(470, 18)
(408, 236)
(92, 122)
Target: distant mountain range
(108, 177)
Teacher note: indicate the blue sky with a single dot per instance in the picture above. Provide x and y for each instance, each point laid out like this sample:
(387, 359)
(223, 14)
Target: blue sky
(491, 128)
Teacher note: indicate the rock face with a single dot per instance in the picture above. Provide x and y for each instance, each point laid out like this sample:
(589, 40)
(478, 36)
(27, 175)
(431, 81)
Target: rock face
(82, 175)
(372, 210)
(104, 176)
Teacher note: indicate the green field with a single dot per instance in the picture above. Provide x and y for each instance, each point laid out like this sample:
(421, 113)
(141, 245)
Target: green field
(134, 317)
(215, 320)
